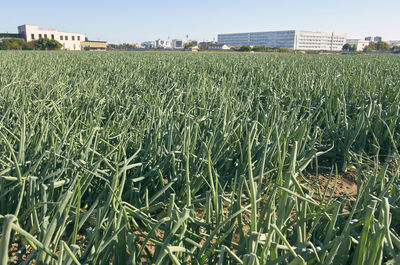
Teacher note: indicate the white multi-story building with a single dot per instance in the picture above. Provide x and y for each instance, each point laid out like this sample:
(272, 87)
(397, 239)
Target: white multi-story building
(360, 44)
(291, 39)
(70, 41)
(177, 44)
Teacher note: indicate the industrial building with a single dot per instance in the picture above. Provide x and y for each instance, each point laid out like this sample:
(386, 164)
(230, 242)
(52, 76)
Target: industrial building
(360, 44)
(290, 39)
(69, 41)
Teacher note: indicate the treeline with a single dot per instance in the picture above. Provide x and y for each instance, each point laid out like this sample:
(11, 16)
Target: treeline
(40, 44)
(246, 48)
(378, 46)
(372, 47)
(122, 47)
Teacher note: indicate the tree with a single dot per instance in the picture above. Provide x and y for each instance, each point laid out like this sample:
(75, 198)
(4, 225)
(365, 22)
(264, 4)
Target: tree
(30, 45)
(349, 48)
(122, 47)
(382, 46)
(245, 48)
(258, 49)
(369, 48)
(346, 47)
(189, 45)
(47, 44)
(12, 44)
(379, 46)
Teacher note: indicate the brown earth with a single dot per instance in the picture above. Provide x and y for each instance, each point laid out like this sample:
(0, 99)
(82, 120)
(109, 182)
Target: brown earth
(340, 185)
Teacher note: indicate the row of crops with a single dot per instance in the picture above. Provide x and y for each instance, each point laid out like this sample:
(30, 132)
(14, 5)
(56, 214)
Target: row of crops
(176, 158)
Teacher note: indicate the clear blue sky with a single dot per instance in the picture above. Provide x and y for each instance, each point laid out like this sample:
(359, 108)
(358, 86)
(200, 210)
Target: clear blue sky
(136, 21)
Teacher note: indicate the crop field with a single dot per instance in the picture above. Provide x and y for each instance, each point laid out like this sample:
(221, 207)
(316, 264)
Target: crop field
(184, 158)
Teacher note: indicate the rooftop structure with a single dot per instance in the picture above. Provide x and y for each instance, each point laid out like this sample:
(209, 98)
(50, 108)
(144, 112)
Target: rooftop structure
(291, 39)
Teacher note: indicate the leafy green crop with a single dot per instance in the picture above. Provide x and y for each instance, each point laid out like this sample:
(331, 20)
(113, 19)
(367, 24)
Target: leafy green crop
(181, 158)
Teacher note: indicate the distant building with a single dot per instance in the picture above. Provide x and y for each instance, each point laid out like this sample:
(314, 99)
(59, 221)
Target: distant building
(160, 43)
(373, 39)
(177, 44)
(11, 36)
(192, 49)
(94, 45)
(290, 39)
(204, 44)
(69, 41)
(359, 43)
(218, 47)
(148, 44)
(195, 42)
(394, 43)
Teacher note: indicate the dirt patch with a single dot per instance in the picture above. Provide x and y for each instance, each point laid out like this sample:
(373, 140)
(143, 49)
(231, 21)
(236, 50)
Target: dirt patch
(341, 185)
(13, 250)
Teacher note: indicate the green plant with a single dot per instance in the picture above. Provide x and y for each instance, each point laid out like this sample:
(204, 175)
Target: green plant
(169, 158)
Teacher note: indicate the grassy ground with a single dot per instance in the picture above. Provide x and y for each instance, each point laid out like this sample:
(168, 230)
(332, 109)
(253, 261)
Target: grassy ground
(174, 158)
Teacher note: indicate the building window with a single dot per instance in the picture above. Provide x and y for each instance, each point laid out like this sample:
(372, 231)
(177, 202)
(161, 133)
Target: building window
(73, 37)
(66, 37)
(45, 35)
(61, 37)
(79, 37)
(52, 36)
(40, 35)
(32, 36)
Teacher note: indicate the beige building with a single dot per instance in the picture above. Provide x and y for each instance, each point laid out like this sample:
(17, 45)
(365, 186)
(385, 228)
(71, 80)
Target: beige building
(69, 41)
(94, 45)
